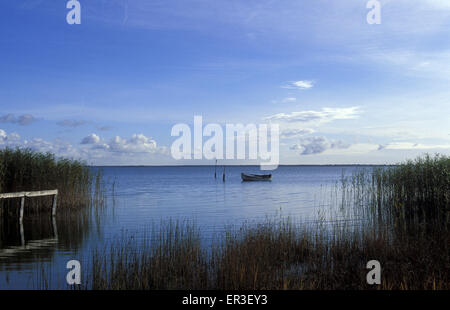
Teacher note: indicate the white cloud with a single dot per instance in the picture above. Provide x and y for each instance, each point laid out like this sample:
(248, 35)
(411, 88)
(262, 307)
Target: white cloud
(323, 116)
(295, 133)
(91, 139)
(2, 135)
(117, 146)
(13, 137)
(299, 85)
(317, 145)
(41, 145)
(117, 151)
(138, 143)
(9, 139)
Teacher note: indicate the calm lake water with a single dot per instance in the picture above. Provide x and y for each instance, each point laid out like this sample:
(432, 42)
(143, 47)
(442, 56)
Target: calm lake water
(142, 197)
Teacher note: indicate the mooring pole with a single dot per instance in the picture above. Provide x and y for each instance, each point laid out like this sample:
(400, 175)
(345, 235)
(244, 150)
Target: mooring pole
(223, 176)
(215, 170)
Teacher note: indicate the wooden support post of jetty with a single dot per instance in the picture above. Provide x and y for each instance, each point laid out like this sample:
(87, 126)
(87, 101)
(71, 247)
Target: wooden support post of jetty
(22, 207)
(23, 195)
(55, 198)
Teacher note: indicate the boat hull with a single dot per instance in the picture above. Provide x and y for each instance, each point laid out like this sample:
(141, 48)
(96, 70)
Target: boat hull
(256, 177)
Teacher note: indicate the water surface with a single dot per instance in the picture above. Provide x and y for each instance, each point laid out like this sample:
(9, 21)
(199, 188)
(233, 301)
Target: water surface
(139, 197)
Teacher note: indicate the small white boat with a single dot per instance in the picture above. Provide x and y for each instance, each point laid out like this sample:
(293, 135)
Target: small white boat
(256, 177)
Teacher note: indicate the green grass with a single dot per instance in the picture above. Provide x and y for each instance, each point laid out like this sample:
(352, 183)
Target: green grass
(397, 215)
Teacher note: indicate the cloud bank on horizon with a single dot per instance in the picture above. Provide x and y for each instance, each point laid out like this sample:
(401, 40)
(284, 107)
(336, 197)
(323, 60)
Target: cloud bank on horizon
(343, 91)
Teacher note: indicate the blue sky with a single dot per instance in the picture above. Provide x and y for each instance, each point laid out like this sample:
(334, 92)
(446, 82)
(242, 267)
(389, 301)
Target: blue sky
(109, 90)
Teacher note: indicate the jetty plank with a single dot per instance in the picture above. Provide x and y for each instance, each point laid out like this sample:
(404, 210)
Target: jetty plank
(29, 194)
(24, 195)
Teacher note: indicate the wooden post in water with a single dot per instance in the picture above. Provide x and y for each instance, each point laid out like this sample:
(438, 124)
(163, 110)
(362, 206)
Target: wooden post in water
(22, 207)
(55, 228)
(21, 211)
(22, 233)
(223, 176)
(55, 198)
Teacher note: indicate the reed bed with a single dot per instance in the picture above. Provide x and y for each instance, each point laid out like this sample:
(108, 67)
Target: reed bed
(268, 257)
(27, 170)
(397, 215)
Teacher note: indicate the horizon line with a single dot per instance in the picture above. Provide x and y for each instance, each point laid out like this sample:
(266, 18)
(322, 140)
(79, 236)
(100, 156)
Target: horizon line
(284, 165)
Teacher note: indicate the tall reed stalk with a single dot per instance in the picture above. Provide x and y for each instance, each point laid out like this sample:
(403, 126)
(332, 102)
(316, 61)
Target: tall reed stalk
(27, 170)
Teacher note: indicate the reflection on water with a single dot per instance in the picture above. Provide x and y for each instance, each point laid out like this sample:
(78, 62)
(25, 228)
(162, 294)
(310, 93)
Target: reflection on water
(144, 196)
(15, 243)
(27, 246)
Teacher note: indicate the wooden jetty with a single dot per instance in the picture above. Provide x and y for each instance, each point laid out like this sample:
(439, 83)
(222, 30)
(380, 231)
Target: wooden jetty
(23, 195)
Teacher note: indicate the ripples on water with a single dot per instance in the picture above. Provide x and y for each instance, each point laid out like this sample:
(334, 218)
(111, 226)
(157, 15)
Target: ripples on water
(143, 196)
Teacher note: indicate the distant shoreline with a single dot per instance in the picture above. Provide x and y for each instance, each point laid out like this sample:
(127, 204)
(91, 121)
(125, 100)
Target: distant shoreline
(180, 166)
